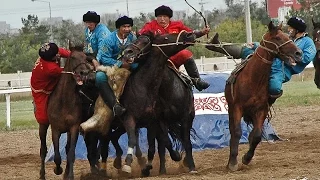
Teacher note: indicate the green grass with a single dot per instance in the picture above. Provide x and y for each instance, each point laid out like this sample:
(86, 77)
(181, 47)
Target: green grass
(299, 93)
(22, 116)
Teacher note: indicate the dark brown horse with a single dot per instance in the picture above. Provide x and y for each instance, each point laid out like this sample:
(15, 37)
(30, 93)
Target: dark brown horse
(141, 95)
(316, 61)
(65, 108)
(248, 96)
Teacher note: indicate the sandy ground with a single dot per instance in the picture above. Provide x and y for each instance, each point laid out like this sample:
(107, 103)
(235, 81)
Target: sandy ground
(296, 158)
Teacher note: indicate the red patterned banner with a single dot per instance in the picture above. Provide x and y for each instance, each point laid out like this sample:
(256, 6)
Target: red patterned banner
(209, 103)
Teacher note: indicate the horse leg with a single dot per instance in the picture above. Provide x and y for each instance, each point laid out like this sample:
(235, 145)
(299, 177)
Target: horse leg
(141, 160)
(114, 139)
(254, 137)
(130, 127)
(74, 132)
(162, 153)
(235, 132)
(57, 157)
(186, 127)
(104, 152)
(151, 136)
(91, 141)
(43, 128)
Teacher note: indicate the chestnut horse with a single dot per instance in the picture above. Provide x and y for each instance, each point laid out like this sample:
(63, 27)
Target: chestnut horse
(247, 95)
(316, 60)
(65, 108)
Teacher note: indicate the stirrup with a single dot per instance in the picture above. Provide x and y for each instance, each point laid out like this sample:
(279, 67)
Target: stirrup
(118, 110)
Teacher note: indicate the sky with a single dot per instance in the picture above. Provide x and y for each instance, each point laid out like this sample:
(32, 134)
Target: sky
(13, 10)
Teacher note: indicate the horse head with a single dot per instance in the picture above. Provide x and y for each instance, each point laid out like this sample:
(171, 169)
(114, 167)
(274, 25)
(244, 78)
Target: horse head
(316, 60)
(79, 67)
(168, 44)
(280, 45)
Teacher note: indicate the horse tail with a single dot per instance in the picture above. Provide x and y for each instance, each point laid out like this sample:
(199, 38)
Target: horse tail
(177, 135)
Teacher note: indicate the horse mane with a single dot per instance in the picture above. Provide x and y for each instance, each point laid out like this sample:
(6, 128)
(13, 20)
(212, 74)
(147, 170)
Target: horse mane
(78, 47)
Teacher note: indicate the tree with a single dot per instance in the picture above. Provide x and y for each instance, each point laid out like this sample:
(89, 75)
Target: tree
(69, 31)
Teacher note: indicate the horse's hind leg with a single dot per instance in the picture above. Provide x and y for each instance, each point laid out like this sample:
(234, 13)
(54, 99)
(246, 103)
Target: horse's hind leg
(57, 157)
(254, 137)
(91, 141)
(43, 128)
(235, 132)
(162, 153)
(74, 133)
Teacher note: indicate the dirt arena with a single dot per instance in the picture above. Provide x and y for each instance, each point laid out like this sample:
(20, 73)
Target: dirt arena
(296, 158)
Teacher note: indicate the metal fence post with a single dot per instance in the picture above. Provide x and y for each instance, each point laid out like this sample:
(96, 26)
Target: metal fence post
(8, 110)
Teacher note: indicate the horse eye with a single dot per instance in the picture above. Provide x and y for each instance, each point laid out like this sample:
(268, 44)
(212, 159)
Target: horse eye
(278, 38)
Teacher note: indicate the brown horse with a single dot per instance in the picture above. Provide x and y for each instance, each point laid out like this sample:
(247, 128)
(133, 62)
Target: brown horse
(316, 60)
(65, 108)
(247, 96)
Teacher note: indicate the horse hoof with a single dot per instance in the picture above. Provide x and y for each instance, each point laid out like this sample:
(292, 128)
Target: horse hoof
(142, 161)
(245, 160)
(94, 170)
(117, 163)
(42, 178)
(58, 171)
(175, 156)
(126, 169)
(233, 168)
(193, 172)
(145, 172)
(163, 172)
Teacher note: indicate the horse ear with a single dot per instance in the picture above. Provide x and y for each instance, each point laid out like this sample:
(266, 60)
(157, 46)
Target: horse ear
(271, 26)
(313, 23)
(280, 26)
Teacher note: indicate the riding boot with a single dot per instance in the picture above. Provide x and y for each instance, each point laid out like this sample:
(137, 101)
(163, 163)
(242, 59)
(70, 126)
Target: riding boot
(109, 98)
(192, 71)
(272, 97)
(228, 50)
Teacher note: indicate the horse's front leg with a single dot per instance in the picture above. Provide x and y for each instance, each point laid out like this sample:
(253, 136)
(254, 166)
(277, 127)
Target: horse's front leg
(114, 137)
(130, 126)
(72, 141)
(235, 132)
(151, 136)
(57, 157)
(141, 160)
(255, 135)
(186, 127)
(43, 128)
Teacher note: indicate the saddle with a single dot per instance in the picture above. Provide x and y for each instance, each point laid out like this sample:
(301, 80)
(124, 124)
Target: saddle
(233, 76)
(183, 77)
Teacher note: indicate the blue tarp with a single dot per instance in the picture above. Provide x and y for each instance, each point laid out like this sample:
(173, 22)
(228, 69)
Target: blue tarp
(212, 129)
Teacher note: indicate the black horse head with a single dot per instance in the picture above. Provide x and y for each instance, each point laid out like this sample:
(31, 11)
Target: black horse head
(168, 44)
(316, 60)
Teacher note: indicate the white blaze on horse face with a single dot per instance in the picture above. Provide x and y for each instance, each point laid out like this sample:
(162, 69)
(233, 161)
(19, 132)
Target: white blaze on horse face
(130, 150)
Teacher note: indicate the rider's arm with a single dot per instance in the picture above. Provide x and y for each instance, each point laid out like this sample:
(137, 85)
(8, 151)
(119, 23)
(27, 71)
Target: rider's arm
(64, 53)
(102, 34)
(146, 28)
(309, 51)
(107, 58)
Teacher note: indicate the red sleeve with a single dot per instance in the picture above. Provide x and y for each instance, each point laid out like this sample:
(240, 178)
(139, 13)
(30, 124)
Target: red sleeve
(64, 53)
(184, 27)
(147, 27)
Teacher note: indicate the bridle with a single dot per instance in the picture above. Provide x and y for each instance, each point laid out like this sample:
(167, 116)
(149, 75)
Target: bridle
(275, 52)
(171, 44)
(141, 51)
